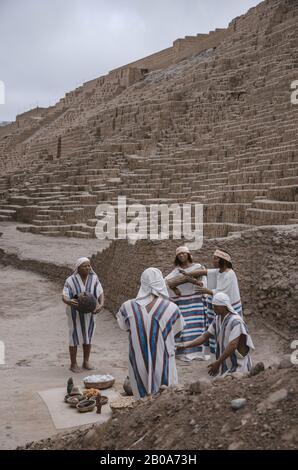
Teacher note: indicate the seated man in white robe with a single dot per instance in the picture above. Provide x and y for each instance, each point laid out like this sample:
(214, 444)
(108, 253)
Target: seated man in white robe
(233, 341)
(153, 322)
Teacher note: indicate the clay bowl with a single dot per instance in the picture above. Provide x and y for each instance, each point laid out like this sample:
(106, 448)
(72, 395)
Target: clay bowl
(86, 405)
(72, 401)
(103, 400)
(100, 385)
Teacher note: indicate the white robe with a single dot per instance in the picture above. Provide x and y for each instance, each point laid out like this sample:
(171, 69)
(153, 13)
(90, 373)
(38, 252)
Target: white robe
(225, 282)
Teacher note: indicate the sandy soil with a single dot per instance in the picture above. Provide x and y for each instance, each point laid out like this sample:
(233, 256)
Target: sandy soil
(34, 328)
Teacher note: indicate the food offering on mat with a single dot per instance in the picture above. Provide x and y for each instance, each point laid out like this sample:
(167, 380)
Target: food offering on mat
(86, 302)
(91, 393)
(99, 381)
(86, 405)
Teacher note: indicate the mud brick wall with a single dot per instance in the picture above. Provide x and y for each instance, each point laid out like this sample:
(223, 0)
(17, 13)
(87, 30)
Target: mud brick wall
(264, 260)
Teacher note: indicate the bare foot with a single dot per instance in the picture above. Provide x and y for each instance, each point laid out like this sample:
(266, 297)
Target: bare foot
(87, 366)
(75, 368)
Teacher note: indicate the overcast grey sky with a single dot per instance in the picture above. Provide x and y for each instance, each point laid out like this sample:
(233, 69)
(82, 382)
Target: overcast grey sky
(49, 47)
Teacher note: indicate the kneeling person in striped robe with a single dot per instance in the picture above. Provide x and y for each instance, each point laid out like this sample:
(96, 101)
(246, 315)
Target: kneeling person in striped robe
(153, 322)
(81, 325)
(233, 342)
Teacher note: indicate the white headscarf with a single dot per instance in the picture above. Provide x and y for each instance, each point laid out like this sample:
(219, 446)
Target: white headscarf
(152, 282)
(182, 249)
(220, 298)
(79, 262)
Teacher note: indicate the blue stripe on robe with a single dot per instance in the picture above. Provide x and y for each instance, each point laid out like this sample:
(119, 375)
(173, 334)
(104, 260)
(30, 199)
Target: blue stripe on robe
(133, 362)
(141, 332)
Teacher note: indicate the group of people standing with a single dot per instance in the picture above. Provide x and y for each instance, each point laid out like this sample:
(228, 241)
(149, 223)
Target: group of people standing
(191, 313)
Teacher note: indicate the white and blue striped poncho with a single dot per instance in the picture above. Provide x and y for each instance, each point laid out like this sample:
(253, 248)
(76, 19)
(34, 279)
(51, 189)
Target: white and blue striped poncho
(81, 325)
(226, 330)
(151, 344)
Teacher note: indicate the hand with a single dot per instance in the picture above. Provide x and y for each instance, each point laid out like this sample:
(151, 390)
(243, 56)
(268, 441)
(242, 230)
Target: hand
(181, 271)
(190, 278)
(202, 290)
(214, 368)
(98, 309)
(73, 303)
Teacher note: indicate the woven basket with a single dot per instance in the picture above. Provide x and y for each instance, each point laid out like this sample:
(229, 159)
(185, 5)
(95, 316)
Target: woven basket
(100, 385)
(122, 403)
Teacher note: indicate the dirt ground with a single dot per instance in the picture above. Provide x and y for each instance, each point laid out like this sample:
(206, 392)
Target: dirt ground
(34, 329)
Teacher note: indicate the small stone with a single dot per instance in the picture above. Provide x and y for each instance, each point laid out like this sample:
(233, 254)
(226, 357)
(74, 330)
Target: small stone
(259, 367)
(204, 383)
(272, 399)
(238, 403)
(226, 428)
(162, 388)
(195, 388)
(277, 396)
(237, 375)
(291, 436)
(235, 445)
(192, 422)
(127, 387)
(247, 312)
(157, 417)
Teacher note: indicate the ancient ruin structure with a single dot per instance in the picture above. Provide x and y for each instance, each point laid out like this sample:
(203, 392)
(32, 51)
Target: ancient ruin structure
(207, 120)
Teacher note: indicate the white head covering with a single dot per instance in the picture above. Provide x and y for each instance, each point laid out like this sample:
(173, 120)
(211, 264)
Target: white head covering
(220, 298)
(81, 261)
(152, 282)
(223, 255)
(182, 249)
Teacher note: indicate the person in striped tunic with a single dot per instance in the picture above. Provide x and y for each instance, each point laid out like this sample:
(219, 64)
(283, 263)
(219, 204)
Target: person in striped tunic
(190, 301)
(153, 322)
(81, 325)
(233, 341)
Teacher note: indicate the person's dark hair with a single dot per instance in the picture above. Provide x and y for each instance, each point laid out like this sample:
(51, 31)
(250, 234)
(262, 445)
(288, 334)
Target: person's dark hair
(178, 263)
(223, 263)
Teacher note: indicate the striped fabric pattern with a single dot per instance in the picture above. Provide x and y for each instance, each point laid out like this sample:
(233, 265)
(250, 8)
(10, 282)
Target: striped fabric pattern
(193, 310)
(151, 344)
(211, 316)
(81, 326)
(225, 331)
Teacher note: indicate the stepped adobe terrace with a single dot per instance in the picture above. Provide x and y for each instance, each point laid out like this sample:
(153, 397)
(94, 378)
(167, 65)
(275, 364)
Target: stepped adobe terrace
(208, 120)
